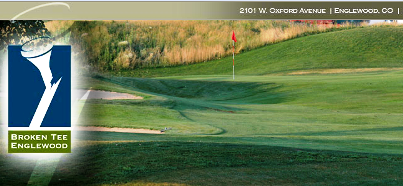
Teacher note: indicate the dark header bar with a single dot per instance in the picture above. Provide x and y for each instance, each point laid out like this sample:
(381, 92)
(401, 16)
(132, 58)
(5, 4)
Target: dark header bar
(199, 10)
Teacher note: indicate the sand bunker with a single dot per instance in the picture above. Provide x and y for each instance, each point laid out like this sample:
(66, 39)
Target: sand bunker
(124, 130)
(99, 94)
(342, 70)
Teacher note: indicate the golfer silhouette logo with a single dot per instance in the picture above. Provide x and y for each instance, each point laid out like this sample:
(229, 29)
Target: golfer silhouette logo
(39, 84)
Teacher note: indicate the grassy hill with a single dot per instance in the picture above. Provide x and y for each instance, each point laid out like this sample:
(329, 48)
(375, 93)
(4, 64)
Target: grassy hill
(264, 101)
(367, 47)
(236, 132)
(116, 45)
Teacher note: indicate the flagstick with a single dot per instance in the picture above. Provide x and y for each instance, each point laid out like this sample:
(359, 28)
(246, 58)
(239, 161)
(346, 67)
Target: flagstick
(233, 59)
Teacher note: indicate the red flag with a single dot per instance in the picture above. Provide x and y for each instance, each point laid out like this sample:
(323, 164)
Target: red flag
(233, 36)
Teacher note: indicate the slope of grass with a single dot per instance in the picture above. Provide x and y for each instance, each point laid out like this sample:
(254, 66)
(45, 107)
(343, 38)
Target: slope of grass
(366, 47)
(215, 164)
(311, 111)
(140, 114)
(107, 162)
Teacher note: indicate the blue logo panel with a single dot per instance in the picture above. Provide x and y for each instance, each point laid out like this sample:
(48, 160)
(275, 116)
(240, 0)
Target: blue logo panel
(26, 87)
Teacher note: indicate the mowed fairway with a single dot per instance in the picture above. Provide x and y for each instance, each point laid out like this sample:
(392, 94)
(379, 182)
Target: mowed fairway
(342, 127)
(352, 112)
(322, 109)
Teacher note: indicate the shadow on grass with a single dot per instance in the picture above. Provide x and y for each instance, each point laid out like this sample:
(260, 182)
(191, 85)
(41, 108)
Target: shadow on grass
(15, 170)
(239, 92)
(340, 132)
(122, 162)
(182, 95)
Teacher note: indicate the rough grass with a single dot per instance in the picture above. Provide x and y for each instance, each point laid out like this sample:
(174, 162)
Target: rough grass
(195, 163)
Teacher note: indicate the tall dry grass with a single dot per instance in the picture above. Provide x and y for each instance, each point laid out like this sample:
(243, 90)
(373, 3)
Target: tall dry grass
(386, 24)
(115, 45)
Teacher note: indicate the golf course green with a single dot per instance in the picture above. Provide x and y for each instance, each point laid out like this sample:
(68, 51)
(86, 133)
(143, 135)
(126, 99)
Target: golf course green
(338, 91)
(324, 109)
(336, 110)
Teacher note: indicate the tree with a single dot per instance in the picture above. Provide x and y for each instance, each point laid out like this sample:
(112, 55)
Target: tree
(18, 32)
